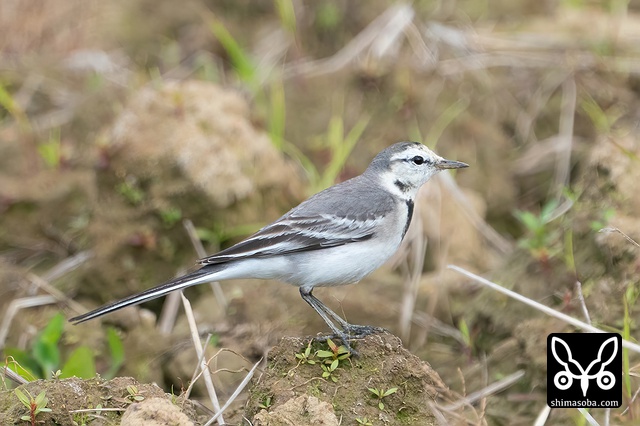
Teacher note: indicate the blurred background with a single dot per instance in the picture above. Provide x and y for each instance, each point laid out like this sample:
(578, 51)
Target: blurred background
(133, 131)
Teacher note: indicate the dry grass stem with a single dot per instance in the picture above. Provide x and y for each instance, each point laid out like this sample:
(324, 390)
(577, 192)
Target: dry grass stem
(491, 389)
(491, 235)
(97, 410)
(15, 306)
(199, 351)
(565, 132)
(527, 119)
(375, 36)
(543, 416)
(169, 313)
(57, 294)
(13, 376)
(583, 305)
(235, 394)
(198, 370)
(197, 244)
(67, 265)
(588, 417)
(545, 309)
(626, 237)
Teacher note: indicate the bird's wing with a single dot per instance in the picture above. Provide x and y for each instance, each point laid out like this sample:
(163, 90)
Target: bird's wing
(292, 234)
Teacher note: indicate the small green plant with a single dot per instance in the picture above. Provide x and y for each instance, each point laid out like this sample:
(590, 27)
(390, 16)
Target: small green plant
(134, 394)
(540, 237)
(364, 421)
(13, 108)
(51, 151)
(83, 418)
(80, 419)
(328, 370)
(306, 357)
(44, 359)
(266, 403)
(380, 394)
(335, 353)
(130, 190)
(35, 405)
(170, 216)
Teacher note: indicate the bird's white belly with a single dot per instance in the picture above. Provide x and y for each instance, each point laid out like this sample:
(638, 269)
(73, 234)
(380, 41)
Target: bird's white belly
(340, 265)
(332, 266)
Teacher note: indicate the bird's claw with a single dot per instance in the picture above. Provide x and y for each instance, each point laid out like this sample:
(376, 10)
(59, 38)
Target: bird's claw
(350, 332)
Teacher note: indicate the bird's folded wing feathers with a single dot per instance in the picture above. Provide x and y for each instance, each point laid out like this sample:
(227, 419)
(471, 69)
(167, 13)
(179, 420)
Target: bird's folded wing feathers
(293, 234)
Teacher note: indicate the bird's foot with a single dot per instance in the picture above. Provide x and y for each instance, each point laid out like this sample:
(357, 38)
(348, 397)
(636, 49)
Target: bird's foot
(359, 331)
(352, 331)
(341, 336)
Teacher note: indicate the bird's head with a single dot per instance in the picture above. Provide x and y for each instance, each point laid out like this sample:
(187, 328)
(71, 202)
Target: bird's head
(405, 166)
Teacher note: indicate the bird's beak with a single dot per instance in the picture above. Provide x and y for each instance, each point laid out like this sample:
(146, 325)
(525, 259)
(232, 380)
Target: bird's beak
(449, 164)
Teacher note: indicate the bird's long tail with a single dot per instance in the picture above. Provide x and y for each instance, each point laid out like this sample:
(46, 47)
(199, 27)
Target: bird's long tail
(197, 277)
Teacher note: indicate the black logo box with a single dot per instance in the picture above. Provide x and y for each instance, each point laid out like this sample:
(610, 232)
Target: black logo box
(584, 370)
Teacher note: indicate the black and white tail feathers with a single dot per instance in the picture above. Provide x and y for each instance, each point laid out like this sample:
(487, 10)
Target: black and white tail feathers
(197, 277)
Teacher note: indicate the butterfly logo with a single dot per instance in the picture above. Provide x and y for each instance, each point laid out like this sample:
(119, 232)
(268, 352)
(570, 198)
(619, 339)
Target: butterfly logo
(563, 380)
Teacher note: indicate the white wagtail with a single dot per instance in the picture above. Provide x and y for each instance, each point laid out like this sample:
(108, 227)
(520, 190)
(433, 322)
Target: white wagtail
(336, 237)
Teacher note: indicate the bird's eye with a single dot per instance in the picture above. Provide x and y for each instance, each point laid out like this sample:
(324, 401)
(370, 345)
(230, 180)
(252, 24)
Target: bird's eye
(418, 160)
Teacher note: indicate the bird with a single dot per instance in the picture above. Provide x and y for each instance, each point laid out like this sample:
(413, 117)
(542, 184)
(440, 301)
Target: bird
(336, 237)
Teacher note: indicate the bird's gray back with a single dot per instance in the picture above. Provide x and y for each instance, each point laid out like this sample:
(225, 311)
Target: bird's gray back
(357, 198)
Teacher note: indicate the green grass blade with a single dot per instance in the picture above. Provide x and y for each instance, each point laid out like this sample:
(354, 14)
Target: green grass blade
(242, 64)
(80, 364)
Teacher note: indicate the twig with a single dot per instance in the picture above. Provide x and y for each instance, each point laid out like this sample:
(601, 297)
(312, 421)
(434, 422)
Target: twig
(93, 410)
(198, 370)
(169, 313)
(539, 306)
(539, 99)
(490, 234)
(197, 244)
(588, 417)
(583, 305)
(633, 398)
(15, 306)
(235, 394)
(543, 416)
(565, 132)
(442, 421)
(614, 229)
(483, 393)
(13, 376)
(57, 294)
(67, 265)
(392, 21)
(199, 350)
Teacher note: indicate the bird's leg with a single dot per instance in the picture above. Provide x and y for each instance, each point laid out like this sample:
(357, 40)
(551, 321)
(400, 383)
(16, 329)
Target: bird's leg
(348, 330)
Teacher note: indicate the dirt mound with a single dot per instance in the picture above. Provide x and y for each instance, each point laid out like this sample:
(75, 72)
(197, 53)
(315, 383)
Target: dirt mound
(291, 389)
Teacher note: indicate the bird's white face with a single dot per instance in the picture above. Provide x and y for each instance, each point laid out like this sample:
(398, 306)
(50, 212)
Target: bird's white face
(411, 167)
